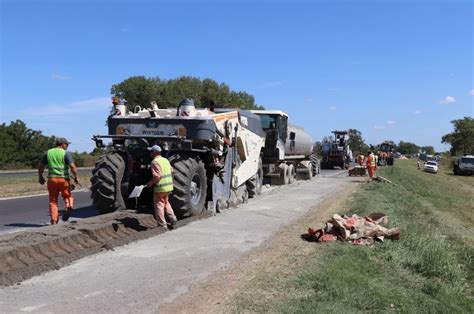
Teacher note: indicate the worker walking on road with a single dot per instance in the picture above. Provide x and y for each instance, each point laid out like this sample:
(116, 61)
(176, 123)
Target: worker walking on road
(162, 182)
(371, 164)
(59, 163)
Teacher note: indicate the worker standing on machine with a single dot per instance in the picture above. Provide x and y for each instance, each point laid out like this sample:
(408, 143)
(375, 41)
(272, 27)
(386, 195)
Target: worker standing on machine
(371, 164)
(59, 162)
(162, 182)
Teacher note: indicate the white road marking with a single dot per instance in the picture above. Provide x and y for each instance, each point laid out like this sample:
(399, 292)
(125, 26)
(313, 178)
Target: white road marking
(26, 196)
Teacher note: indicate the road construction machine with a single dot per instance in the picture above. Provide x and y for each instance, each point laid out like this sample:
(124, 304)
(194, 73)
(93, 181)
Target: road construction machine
(336, 151)
(215, 156)
(288, 152)
(385, 153)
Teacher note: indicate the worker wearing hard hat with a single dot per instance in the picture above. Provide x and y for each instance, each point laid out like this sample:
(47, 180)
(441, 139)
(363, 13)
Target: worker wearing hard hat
(60, 164)
(162, 183)
(371, 164)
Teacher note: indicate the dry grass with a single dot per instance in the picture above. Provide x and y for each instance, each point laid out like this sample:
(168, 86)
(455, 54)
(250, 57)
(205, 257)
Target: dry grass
(27, 184)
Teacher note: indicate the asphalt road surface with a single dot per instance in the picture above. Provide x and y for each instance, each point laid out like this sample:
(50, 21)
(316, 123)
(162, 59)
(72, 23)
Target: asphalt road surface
(17, 214)
(143, 275)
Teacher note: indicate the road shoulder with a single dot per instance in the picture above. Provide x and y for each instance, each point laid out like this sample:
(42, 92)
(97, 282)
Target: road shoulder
(281, 255)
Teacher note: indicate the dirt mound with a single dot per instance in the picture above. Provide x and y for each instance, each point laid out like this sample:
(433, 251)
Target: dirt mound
(30, 253)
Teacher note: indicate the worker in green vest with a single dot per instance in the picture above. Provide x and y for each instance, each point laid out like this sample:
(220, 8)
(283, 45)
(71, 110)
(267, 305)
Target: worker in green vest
(59, 163)
(162, 183)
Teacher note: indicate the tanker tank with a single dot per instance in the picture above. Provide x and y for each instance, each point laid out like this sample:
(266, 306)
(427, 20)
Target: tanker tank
(300, 144)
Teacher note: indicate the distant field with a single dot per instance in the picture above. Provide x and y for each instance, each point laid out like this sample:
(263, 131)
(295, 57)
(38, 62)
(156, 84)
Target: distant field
(430, 270)
(27, 184)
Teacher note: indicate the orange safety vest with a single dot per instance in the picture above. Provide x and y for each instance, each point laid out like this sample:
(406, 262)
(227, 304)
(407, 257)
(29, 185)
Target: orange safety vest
(371, 161)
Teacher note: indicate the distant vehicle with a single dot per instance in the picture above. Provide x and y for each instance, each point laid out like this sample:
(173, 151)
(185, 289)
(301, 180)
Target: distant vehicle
(431, 166)
(336, 151)
(385, 153)
(464, 165)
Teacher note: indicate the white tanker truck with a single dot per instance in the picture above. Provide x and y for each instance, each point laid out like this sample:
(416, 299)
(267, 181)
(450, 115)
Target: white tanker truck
(288, 153)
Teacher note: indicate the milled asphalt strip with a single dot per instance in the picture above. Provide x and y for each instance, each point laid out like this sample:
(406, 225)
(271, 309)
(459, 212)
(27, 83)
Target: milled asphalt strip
(140, 276)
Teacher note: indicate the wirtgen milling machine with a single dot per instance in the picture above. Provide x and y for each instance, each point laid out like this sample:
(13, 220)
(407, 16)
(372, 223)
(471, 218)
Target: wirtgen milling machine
(215, 155)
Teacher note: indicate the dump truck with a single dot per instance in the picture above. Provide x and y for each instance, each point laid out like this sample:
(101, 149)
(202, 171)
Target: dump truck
(288, 151)
(215, 156)
(336, 151)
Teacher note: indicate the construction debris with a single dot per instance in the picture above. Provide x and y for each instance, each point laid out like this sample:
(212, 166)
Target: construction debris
(354, 229)
(358, 171)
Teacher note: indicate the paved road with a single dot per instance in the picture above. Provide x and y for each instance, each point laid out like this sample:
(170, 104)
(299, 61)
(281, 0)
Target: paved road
(141, 276)
(30, 212)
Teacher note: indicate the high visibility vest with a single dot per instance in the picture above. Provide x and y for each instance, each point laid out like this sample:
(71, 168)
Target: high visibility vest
(371, 160)
(166, 180)
(56, 164)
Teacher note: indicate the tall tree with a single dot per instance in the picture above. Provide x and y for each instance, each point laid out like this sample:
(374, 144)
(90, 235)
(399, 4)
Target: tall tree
(356, 142)
(462, 139)
(408, 148)
(429, 150)
(21, 146)
(139, 90)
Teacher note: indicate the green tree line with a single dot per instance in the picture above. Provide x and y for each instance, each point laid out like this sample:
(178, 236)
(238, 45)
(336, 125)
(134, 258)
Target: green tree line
(22, 147)
(141, 91)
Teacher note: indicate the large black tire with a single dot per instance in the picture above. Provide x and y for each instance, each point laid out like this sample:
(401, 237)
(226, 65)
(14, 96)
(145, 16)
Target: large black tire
(316, 165)
(106, 182)
(190, 185)
(255, 183)
(284, 177)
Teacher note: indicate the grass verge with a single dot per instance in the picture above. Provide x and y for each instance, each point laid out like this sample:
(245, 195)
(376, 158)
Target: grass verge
(430, 269)
(27, 184)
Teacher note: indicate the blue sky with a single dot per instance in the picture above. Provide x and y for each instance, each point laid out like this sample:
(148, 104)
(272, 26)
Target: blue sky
(395, 70)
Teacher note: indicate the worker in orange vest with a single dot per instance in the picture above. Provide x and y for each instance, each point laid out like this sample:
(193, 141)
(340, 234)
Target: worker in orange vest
(371, 164)
(59, 163)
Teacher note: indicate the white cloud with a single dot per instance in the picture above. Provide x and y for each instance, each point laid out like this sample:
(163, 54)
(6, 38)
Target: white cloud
(333, 108)
(471, 92)
(447, 100)
(273, 84)
(58, 77)
(417, 112)
(379, 127)
(391, 122)
(74, 108)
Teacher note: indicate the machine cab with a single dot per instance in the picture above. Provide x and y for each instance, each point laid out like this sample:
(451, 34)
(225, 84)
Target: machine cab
(275, 125)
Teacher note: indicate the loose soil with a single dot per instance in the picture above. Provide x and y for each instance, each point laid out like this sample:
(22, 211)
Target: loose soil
(30, 253)
(281, 256)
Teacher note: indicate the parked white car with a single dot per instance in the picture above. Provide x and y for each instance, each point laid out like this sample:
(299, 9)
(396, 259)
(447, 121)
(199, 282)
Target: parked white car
(431, 166)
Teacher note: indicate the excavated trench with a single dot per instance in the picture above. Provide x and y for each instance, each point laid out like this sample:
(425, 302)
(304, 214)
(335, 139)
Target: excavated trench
(30, 253)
